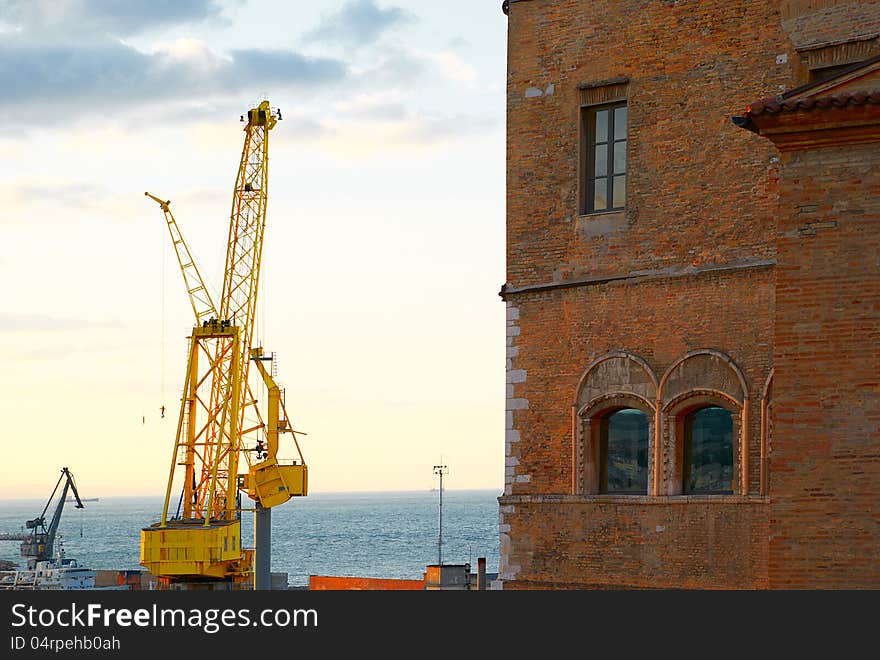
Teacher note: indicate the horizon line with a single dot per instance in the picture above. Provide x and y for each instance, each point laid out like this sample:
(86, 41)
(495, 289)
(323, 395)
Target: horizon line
(321, 492)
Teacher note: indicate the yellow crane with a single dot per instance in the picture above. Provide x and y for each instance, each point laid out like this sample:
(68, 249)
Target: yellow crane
(219, 418)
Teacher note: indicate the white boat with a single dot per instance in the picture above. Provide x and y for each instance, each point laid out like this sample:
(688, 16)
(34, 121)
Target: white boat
(58, 573)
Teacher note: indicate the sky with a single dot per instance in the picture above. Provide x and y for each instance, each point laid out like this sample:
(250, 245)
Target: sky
(384, 247)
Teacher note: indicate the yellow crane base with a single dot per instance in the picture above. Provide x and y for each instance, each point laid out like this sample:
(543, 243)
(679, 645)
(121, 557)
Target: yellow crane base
(191, 548)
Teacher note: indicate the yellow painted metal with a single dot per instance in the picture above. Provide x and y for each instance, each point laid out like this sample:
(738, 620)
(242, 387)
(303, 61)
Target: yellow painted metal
(277, 420)
(204, 310)
(199, 296)
(273, 403)
(192, 549)
(207, 492)
(202, 538)
(271, 483)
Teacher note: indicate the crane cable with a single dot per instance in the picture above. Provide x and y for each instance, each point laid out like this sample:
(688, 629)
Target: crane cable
(162, 332)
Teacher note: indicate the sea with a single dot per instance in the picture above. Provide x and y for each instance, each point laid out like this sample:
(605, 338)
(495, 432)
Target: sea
(392, 534)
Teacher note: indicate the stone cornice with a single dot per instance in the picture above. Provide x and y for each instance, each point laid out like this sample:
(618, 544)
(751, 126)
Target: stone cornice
(635, 276)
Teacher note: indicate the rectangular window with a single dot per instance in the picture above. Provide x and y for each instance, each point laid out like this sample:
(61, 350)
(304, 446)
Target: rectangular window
(603, 157)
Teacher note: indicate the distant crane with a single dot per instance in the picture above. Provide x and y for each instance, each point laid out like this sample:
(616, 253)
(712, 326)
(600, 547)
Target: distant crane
(201, 541)
(40, 542)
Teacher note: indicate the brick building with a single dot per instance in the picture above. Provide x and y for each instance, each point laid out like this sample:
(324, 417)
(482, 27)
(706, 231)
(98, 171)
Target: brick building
(693, 295)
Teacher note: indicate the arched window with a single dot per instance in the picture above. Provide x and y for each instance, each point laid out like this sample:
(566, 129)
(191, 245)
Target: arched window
(707, 466)
(623, 453)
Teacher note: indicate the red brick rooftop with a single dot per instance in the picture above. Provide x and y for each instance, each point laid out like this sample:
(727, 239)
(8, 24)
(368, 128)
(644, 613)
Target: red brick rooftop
(777, 105)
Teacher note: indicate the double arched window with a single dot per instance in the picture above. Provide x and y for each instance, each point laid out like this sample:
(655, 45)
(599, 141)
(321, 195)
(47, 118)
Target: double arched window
(684, 434)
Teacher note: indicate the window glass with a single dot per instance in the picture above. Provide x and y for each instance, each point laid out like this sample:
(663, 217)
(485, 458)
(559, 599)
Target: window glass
(708, 452)
(604, 160)
(620, 123)
(602, 126)
(619, 191)
(600, 192)
(625, 455)
(601, 160)
(620, 157)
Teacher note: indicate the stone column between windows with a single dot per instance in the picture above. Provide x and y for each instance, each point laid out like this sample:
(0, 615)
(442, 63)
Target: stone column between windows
(657, 472)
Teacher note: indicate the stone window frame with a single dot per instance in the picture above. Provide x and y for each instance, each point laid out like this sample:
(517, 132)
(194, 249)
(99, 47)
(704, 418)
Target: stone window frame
(592, 97)
(586, 422)
(666, 422)
(590, 421)
(588, 156)
(674, 415)
(671, 418)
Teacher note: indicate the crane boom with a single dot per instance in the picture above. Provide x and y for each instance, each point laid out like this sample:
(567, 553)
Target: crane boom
(199, 296)
(238, 307)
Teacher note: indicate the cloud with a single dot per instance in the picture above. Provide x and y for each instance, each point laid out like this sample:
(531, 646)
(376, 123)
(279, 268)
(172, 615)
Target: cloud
(380, 106)
(389, 68)
(437, 130)
(67, 80)
(358, 23)
(451, 66)
(18, 195)
(54, 19)
(393, 67)
(45, 323)
(378, 130)
(47, 200)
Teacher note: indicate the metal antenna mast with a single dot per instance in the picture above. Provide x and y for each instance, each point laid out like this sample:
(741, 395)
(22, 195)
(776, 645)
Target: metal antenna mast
(441, 470)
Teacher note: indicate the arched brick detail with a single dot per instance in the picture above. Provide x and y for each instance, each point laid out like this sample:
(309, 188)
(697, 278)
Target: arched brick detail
(706, 369)
(611, 382)
(617, 371)
(672, 417)
(710, 374)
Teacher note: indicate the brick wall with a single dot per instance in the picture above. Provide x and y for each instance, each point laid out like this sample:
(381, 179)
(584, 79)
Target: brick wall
(622, 542)
(689, 264)
(559, 333)
(825, 464)
(699, 189)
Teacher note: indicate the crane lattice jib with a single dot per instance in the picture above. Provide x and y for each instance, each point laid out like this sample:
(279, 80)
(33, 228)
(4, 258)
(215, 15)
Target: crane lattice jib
(204, 310)
(217, 487)
(199, 297)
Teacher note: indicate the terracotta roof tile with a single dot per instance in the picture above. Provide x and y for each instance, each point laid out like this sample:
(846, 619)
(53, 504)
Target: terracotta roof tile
(777, 105)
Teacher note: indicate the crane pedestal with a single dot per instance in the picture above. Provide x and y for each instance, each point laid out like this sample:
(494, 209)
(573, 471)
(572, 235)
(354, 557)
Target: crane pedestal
(262, 548)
